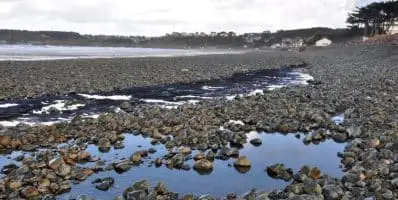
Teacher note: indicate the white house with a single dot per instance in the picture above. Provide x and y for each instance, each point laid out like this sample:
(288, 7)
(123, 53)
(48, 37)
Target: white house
(213, 34)
(393, 29)
(276, 45)
(323, 42)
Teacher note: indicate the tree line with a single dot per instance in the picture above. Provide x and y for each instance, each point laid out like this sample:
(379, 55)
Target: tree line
(375, 18)
(180, 40)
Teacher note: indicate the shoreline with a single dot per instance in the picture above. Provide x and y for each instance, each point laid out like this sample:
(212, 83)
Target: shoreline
(13, 53)
(358, 81)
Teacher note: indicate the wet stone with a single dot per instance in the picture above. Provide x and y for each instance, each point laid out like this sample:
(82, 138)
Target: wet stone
(143, 185)
(24, 169)
(48, 197)
(313, 188)
(231, 196)
(296, 188)
(122, 166)
(388, 194)
(206, 197)
(250, 195)
(15, 184)
(135, 195)
(332, 192)
(119, 145)
(188, 197)
(256, 142)
(30, 192)
(104, 183)
(84, 197)
(151, 150)
(104, 145)
(19, 158)
(210, 156)
(158, 162)
(65, 186)
(161, 188)
(278, 171)
(203, 165)
(119, 197)
(29, 147)
(136, 157)
(56, 163)
(186, 167)
(242, 161)
(9, 168)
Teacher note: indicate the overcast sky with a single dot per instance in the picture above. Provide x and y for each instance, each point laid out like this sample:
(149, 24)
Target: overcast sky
(157, 17)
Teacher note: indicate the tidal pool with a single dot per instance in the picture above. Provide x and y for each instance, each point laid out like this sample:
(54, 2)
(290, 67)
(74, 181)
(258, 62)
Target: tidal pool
(224, 179)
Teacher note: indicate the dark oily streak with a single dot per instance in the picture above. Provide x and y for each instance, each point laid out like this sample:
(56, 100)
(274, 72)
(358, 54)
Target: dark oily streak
(238, 83)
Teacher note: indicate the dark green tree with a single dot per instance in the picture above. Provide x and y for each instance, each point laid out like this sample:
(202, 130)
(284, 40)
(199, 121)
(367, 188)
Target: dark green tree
(376, 18)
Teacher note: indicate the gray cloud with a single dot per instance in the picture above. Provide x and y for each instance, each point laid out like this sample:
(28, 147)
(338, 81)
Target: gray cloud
(156, 17)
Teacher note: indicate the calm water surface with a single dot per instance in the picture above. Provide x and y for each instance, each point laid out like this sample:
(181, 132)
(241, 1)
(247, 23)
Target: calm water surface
(48, 52)
(224, 179)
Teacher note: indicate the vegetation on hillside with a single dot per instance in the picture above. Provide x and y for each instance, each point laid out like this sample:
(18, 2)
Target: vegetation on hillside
(180, 40)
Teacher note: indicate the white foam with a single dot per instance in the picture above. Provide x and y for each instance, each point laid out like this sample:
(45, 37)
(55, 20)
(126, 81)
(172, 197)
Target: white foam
(31, 122)
(206, 87)
(169, 104)
(302, 78)
(236, 122)
(58, 105)
(192, 96)
(9, 123)
(114, 97)
(168, 107)
(159, 101)
(255, 92)
(273, 87)
(7, 105)
(270, 76)
(49, 123)
(117, 110)
(193, 101)
(231, 97)
(338, 119)
(93, 116)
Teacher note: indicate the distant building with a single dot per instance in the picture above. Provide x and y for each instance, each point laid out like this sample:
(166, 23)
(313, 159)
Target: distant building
(276, 45)
(213, 34)
(393, 29)
(223, 34)
(323, 42)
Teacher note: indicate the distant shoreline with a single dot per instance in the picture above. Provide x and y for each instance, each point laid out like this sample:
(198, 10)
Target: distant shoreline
(51, 52)
(183, 40)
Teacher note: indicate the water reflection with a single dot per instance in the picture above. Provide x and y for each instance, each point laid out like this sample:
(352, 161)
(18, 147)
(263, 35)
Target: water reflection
(242, 170)
(224, 178)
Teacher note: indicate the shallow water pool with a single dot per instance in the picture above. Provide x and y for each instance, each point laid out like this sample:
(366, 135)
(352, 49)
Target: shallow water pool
(224, 179)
